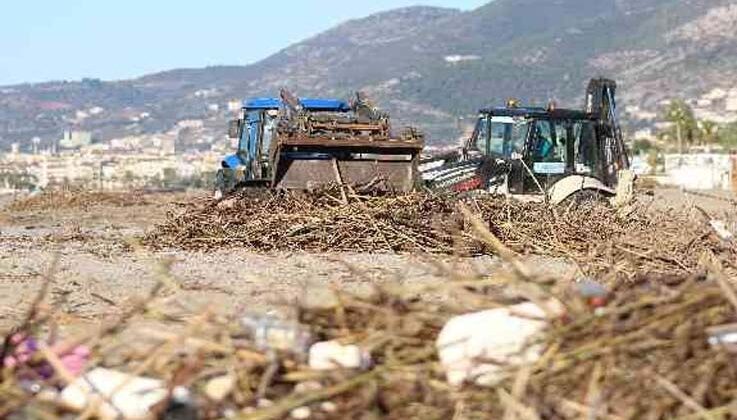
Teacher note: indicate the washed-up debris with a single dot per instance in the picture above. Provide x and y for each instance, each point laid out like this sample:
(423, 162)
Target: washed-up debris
(217, 389)
(720, 227)
(595, 294)
(270, 333)
(110, 394)
(300, 413)
(650, 353)
(69, 198)
(609, 244)
(23, 357)
(477, 347)
(639, 358)
(331, 355)
(269, 221)
(724, 336)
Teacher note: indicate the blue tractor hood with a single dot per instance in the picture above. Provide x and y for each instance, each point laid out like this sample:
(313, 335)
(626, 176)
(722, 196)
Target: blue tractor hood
(232, 162)
(310, 104)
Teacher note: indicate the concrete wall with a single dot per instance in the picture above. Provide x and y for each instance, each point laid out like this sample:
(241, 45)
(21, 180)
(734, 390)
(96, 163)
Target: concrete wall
(702, 171)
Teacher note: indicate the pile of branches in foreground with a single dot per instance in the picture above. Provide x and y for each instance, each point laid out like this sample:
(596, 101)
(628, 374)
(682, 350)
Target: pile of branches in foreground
(624, 244)
(650, 352)
(72, 199)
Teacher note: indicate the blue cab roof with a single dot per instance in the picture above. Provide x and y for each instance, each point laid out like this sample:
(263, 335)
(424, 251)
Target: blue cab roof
(311, 104)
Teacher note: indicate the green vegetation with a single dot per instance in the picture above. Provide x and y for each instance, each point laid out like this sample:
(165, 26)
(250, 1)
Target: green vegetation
(727, 135)
(642, 146)
(687, 131)
(18, 181)
(684, 126)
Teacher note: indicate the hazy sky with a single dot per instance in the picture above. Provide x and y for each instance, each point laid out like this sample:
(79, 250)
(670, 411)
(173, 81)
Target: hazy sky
(70, 39)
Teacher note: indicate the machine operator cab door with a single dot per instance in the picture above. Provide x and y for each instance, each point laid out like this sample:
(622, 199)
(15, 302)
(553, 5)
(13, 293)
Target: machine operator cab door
(558, 149)
(537, 154)
(255, 143)
(254, 131)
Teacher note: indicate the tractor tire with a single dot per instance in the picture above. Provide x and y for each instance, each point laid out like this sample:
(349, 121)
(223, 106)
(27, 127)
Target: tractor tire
(585, 198)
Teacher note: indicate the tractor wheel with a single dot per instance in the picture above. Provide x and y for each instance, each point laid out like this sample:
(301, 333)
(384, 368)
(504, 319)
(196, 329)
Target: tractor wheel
(585, 198)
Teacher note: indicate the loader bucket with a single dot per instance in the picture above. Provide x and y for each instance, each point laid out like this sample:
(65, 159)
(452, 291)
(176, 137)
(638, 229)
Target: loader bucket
(309, 163)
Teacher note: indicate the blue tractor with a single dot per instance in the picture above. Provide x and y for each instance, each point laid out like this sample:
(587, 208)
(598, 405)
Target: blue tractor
(301, 143)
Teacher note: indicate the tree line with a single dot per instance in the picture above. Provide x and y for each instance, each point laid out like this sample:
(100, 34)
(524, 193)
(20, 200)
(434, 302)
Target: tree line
(686, 131)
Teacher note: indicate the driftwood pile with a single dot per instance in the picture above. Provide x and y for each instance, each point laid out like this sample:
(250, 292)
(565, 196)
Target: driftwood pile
(618, 244)
(76, 199)
(270, 221)
(649, 353)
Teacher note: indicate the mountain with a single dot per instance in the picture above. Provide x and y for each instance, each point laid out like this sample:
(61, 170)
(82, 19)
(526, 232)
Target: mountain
(429, 66)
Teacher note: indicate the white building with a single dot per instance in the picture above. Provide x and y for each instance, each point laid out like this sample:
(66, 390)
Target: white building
(703, 171)
(75, 139)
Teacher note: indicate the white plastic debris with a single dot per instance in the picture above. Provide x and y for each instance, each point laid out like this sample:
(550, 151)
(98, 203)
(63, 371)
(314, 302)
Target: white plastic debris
(307, 386)
(329, 407)
(117, 395)
(328, 355)
(475, 347)
(217, 389)
(271, 333)
(264, 403)
(589, 288)
(723, 336)
(301, 413)
(720, 228)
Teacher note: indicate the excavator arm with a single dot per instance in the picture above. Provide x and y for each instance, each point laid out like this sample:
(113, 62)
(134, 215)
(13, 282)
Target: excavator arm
(601, 103)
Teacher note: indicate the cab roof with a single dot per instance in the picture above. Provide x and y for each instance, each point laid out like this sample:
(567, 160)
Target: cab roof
(311, 104)
(536, 112)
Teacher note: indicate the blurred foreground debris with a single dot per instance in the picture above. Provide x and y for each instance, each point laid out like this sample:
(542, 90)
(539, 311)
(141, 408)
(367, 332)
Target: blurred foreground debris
(109, 394)
(648, 354)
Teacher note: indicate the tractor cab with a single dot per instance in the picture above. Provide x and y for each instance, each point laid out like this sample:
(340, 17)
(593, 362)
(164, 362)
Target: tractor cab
(302, 144)
(538, 148)
(255, 130)
(539, 153)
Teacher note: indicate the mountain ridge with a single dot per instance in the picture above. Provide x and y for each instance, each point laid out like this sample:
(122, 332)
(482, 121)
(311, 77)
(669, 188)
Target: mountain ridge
(428, 66)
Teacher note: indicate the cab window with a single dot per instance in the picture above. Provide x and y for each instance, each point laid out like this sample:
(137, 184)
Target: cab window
(482, 139)
(563, 139)
(585, 148)
(545, 147)
(501, 136)
(269, 126)
(549, 148)
(496, 142)
(508, 135)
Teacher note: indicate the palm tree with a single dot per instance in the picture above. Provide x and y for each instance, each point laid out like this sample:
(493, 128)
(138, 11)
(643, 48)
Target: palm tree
(681, 115)
(708, 131)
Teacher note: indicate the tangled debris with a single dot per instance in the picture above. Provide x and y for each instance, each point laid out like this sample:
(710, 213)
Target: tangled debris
(269, 221)
(625, 244)
(648, 353)
(69, 198)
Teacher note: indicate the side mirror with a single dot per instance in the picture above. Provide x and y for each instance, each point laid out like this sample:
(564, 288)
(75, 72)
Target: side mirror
(234, 129)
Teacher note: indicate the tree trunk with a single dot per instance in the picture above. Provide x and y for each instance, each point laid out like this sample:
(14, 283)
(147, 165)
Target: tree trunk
(679, 135)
